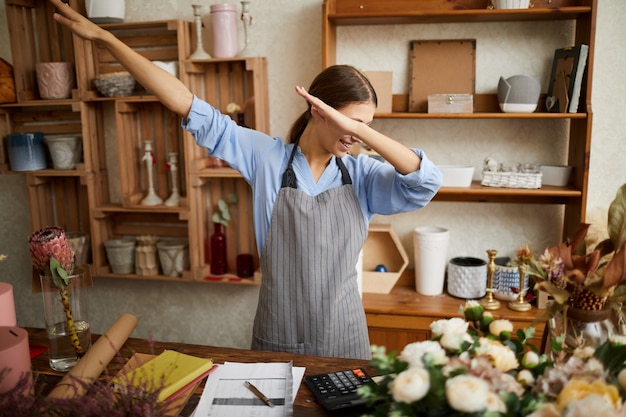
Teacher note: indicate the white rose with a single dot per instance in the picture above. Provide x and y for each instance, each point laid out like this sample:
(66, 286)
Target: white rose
(467, 393)
(498, 326)
(495, 403)
(411, 385)
(584, 352)
(530, 359)
(453, 325)
(525, 377)
(618, 340)
(452, 341)
(621, 378)
(591, 405)
(502, 357)
(414, 354)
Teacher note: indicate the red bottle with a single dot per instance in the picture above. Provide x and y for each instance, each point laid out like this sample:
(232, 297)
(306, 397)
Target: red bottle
(218, 250)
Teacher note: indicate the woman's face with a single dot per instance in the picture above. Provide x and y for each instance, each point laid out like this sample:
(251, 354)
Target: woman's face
(339, 144)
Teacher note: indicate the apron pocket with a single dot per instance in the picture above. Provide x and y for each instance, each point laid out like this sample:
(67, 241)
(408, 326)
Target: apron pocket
(262, 344)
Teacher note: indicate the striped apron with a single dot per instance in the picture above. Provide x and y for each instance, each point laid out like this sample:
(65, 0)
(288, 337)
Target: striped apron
(309, 301)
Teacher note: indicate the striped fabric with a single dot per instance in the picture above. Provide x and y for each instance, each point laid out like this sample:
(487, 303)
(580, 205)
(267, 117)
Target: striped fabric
(309, 301)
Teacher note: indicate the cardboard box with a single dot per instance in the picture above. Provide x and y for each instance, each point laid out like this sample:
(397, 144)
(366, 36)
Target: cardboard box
(382, 247)
(382, 83)
(450, 103)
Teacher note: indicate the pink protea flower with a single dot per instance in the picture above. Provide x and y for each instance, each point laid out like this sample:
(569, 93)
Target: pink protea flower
(48, 242)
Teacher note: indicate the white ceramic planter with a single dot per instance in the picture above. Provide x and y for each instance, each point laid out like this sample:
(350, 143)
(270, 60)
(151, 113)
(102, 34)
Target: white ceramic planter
(65, 151)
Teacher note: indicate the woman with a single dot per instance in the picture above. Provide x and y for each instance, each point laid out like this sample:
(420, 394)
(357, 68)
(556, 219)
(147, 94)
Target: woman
(312, 201)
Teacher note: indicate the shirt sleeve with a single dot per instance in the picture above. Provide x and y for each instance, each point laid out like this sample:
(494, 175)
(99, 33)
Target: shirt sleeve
(240, 147)
(383, 190)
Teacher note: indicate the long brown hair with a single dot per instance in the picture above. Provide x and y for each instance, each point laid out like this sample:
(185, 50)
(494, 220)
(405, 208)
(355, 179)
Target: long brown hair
(337, 86)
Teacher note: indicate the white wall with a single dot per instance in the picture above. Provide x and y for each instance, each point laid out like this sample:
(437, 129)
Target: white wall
(289, 34)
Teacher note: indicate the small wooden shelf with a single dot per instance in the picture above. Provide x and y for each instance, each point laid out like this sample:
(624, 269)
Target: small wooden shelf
(406, 12)
(480, 115)
(479, 193)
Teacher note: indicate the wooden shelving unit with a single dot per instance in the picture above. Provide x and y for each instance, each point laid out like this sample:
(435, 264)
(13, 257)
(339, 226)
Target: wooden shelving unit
(582, 12)
(102, 197)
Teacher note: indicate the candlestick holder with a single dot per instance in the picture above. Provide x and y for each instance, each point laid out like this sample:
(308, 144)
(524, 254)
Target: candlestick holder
(520, 304)
(199, 53)
(247, 50)
(488, 302)
(151, 199)
(174, 198)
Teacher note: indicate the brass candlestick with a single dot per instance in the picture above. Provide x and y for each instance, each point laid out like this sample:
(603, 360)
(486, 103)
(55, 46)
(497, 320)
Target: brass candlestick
(488, 302)
(520, 304)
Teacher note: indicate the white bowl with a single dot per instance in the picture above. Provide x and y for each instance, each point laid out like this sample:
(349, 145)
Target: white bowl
(457, 175)
(557, 175)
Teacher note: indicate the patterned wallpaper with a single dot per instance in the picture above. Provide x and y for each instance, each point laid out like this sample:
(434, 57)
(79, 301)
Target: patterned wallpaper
(289, 34)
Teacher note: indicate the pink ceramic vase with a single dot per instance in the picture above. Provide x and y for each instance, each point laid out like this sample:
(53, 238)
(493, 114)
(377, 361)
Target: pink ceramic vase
(55, 79)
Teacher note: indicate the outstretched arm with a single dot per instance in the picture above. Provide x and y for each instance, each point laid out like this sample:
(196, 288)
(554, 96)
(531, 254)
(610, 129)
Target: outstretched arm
(168, 89)
(401, 157)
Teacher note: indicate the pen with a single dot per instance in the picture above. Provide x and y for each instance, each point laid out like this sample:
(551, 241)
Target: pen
(258, 393)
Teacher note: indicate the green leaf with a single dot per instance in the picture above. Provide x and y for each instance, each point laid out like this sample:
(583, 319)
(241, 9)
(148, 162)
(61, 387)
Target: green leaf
(617, 218)
(232, 198)
(59, 277)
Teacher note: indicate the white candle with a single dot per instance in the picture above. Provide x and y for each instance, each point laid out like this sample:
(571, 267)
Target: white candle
(14, 356)
(7, 305)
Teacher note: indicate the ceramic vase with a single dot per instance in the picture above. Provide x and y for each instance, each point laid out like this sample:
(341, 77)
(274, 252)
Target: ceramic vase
(55, 79)
(66, 315)
(146, 259)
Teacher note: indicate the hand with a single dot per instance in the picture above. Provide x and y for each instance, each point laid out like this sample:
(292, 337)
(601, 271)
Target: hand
(76, 22)
(334, 118)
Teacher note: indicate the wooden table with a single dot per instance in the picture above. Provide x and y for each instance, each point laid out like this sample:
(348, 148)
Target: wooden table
(304, 405)
(404, 316)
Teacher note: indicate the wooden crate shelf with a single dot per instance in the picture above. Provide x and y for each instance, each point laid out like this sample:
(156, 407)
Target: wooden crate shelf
(220, 82)
(60, 201)
(35, 37)
(239, 232)
(115, 224)
(62, 119)
(140, 122)
(163, 40)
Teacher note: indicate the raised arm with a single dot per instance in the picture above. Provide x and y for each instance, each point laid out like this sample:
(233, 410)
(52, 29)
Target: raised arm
(400, 156)
(168, 89)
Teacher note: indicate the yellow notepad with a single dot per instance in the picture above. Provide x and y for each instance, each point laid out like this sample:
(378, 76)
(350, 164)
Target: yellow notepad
(170, 372)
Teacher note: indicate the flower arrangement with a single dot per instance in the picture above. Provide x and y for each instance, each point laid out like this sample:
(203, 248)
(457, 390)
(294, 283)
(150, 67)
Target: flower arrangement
(52, 256)
(581, 276)
(473, 367)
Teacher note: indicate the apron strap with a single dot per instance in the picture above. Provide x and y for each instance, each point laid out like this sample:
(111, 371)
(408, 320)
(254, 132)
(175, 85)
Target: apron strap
(289, 176)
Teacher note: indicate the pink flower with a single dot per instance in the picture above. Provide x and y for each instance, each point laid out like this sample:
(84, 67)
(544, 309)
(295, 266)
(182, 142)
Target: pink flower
(51, 242)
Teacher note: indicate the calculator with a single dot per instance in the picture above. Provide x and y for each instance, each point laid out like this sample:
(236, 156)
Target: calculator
(337, 390)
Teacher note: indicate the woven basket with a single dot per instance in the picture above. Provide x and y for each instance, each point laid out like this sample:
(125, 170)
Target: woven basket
(511, 179)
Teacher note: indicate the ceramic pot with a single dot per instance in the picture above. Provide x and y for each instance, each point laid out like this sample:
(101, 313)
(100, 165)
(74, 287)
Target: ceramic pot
(106, 11)
(467, 277)
(55, 79)
(121, 255)
(505, 278)
(65, 151)
(26, 151)
(173, 256)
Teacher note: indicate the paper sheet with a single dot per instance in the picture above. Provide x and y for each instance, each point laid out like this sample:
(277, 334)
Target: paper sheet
(226, 395)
